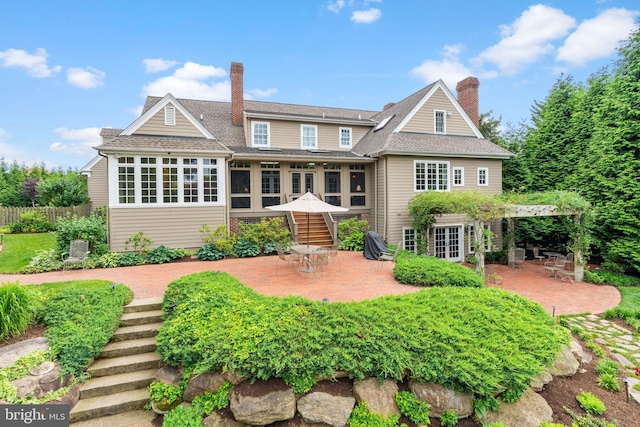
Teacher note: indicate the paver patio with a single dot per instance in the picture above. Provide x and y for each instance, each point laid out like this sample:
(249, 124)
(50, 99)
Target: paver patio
(355, 279)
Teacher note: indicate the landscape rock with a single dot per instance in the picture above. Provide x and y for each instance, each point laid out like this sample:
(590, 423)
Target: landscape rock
(209, 381)
(565, 365)
(277, 404)
(530, 411)
(10, 353)
(539, 381)
(163, 406)
(319, 407)
(71, 398)
(26, 385)
(380, 398)
(576, 349)
(217, 420)
(169, 375)
(442, 399)
(234, 377)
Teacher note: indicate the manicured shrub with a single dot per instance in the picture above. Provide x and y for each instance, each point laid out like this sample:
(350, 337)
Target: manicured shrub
(81, 322)
(412, 408)
(18, 309)
(351, 234)
(92, 228)
(268, 230)
(484, 341)
(431, 271)
(590, 403)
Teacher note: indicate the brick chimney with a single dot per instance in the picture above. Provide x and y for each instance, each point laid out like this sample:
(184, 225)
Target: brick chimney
(468, 97)
(237, 93)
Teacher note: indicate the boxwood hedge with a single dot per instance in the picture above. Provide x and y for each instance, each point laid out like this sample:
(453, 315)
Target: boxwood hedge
(416, 270)
(485, 341)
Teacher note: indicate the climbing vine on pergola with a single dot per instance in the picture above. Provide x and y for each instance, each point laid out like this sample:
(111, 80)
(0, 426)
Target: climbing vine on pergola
(427, 207)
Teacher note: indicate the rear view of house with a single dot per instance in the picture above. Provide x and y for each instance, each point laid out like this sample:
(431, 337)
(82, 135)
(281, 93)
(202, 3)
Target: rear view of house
(184, 163)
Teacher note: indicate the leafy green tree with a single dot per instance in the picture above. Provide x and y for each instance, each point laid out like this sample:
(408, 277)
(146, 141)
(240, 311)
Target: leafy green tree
(69, 189)
(11, 181)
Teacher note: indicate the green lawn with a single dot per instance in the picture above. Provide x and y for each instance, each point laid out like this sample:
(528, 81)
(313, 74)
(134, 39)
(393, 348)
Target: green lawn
(630, 298)
(20, 248)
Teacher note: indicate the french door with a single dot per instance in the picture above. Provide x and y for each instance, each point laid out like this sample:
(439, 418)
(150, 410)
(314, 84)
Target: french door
(448, 243)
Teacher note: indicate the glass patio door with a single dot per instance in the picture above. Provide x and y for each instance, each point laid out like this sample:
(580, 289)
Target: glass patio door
(301, 182)
(448, 243)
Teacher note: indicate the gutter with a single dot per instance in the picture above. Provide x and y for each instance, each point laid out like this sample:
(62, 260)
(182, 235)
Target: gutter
(272, 116)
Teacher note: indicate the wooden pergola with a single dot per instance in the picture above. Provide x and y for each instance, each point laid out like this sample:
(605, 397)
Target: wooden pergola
(512, 212)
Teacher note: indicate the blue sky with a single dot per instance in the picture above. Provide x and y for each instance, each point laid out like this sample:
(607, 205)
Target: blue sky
(71, 67)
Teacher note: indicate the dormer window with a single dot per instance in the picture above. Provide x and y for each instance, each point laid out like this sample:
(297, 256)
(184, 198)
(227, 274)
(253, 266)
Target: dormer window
(260, 134)
(439, 120)
(169, 115)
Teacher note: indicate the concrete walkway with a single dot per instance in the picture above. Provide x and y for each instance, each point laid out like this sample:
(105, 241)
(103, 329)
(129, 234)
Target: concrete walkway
(354, 279)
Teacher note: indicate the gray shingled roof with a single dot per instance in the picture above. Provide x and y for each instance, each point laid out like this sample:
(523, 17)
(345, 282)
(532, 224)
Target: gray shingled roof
(110, 132)
(442, 145)
(308, 111)
(162, 143)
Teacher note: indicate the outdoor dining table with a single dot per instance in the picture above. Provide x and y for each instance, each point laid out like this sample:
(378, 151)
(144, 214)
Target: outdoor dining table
(306, 250)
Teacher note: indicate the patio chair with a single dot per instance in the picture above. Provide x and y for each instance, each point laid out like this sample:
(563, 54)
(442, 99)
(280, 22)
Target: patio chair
(288, 258)
(558, 265)
(333, 254)
(319, 259)
(386, 257)
(537, 256)
(78, 252)
(490, 276)
(518, 258)
(570, 258)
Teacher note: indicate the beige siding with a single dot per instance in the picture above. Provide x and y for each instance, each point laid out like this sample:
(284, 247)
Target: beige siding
(400, 181)
(287, 134)
(97, 184)
(423, 120)
(155, 126)
(175, 227)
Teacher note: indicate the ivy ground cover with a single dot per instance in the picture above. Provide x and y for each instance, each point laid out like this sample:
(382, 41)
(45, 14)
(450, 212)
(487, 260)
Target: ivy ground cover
(485, 341)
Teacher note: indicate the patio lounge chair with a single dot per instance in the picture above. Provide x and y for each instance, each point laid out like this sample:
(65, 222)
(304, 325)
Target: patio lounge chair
(518, 258)
(78, 252)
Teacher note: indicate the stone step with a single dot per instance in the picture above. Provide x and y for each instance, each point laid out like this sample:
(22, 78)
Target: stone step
(110, 384)
(141, 317)
(121, 365)
(136, 331)
(143, 304)
(125, 419)
(89, 409)
(128, 347)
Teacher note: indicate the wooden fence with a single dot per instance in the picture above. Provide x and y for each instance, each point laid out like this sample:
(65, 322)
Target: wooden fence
(9, 215)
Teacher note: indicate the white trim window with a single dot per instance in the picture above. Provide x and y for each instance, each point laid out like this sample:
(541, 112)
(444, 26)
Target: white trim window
(148, 181)
(440, 121)
(308, 137)
(345, 138)
(458, 177)
(261, 134)
(472, 237)
(431, 175)
(409, 239)
(169, 115)
(483, 177)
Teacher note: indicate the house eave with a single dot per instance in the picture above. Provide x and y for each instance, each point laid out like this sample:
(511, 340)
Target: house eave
(200, 152)
(301, 157)
(309, 119)
(441, 154)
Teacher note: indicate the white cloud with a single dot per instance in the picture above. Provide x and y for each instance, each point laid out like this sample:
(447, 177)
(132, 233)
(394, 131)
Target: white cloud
(366, 16)
(527, 39)
(83, 140)
(261, 93)
(155, 65)
(598, 37)
(192, 81)
(86, 78)
(137, 111)
(335, 6)
(35, 65)
(19, 153)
